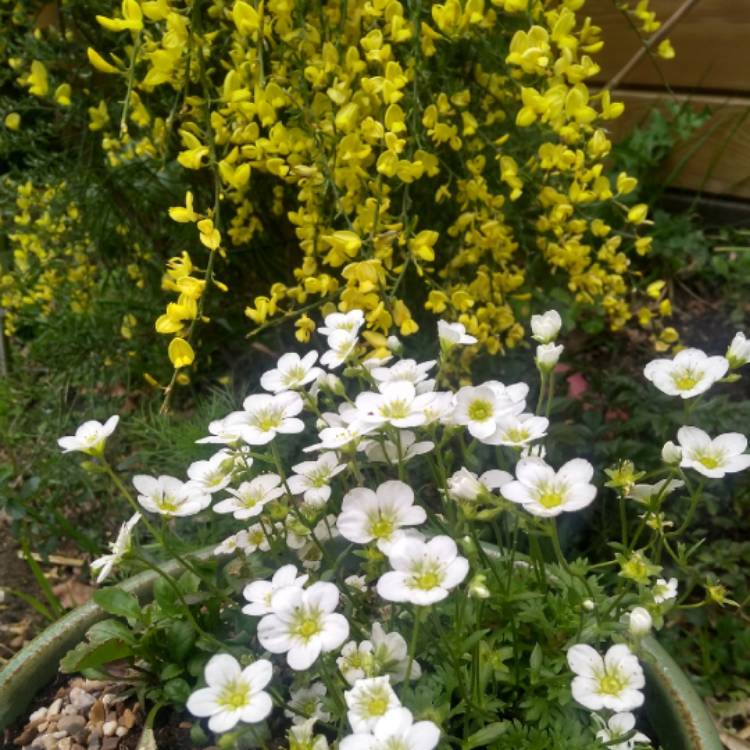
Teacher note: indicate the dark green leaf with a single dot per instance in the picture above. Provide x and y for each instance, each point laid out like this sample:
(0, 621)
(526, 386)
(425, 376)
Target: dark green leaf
(118, 602)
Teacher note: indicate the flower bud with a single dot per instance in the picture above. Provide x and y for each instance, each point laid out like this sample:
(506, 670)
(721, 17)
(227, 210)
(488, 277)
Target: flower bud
(671, 453)
(478, 587)
(394, 344)
(546, 327)
(639, 622)
(588, 604)
(547, 356)
(738, 353)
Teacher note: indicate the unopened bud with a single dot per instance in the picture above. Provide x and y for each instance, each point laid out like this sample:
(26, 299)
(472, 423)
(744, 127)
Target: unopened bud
(478, 587)
(639, 622)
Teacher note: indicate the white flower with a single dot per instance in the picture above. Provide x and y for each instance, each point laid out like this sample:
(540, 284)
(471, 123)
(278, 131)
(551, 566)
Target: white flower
(369, 700)
(423, 572)
(390, 655)
(341, 344)
(265, 415)
(250, 497)
(518, 430)
(644, 493)
(387, 450)
(303, 624)
(738, 353)
(479, 408)
(169, 496)
(356, 661)
(357, 582)
(689, 374)
(395, 731)
(302, 737)
(248, 540)
(226, 431)
(545, 327)
(639, 622)
(441, 408)
(119, 548)
(451, 334)
(620, 725)
(712, 458)
(313, 478)
(260, 593)
(671, 453)
(664, 591)
(233, 694)
(291, 371)
(214, 474)
(397, 403)
(465, 486)
(544, 492)
(90, 437)
(408, 370)
(349, 322)
(378, 516)
(308, 704)
(548, 355)
(340, 431)
(613, 682)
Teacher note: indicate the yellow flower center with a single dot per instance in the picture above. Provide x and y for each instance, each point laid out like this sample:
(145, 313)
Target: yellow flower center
(710, 460)
(293, 376)
(517, 434)
(168, 504)
(234, 695)
(687, 379)
(381, 528)
(395, 410)
(377, 706)
(551, 496)
(307, 624)
(480, 410)
(612, 683)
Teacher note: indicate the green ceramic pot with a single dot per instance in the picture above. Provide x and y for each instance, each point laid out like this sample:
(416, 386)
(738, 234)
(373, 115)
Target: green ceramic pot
(675, 711)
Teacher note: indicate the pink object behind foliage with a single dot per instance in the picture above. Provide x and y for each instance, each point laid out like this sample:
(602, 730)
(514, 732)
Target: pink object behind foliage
(577, 385)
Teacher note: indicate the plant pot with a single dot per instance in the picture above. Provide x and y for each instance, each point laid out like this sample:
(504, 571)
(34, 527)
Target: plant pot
(675, 711)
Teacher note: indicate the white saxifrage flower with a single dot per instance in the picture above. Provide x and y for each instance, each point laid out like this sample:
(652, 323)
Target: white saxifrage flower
(545, 327)
(357, 582)
(232, 694)
(619, 726)
(639, 622)
(260, 593)
(313, 478)
(664, 591)
(169, 496)
(396, 404)
(349, 322)
(291, 372)
(214, 474)
(614, 682)
(249, 498)
(356, 661)
(303, 624)
(369, 700)
(544, 492)
(452, 334)
(90, 437)
(406, 370)
(644, 493)
(265, 415)
(518, 430)
(302, 737)
(479, 408)
(715, 458)
(307, 703)
(689, 374)
(248, 540)
(119, 548)
(387, 451)
(423, 572)
(341, 344)
(395, 731)
(738, 353)
(379, 516)
(548, 355)
(226, 431)
(671, 453)
(390, 655)
(465, 486)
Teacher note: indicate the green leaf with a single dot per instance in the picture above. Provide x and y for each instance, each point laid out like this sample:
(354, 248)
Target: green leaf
(535, 660)
(109, 629)
(170, 671)
(118, 602)
(486, 735)
(180, 640)
(176, 691)
(166, 598)
(92, 655)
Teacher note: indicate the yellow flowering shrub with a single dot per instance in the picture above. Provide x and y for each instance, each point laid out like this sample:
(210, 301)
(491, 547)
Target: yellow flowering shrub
(402, 158)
